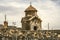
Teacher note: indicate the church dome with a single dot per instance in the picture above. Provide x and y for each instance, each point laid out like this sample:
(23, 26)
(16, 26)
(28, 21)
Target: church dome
(30, 8)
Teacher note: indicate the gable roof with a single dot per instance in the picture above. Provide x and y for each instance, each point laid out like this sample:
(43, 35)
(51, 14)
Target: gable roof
(30, 18)
(35, 17)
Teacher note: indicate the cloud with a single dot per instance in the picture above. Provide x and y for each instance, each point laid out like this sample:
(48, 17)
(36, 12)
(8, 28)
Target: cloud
(57, 2)
(47, 11)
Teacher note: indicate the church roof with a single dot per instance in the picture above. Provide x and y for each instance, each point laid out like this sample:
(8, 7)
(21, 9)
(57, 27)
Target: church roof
(35, 17)
(26, 18)
(30, 8)
(30, 18)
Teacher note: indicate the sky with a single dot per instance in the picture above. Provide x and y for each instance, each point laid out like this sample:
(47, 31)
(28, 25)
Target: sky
(48, 11)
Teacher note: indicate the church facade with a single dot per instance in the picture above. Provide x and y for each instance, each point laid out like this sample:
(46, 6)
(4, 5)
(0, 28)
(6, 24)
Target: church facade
(31, 28)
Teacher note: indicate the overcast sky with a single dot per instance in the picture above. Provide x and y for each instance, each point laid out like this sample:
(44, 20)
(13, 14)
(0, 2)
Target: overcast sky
(48, 11)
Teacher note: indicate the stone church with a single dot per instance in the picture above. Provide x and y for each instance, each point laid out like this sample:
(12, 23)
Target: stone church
(31, 21)
(31, 28)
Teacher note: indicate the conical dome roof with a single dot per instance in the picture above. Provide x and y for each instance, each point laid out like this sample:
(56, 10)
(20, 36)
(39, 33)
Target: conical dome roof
(30, 8)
